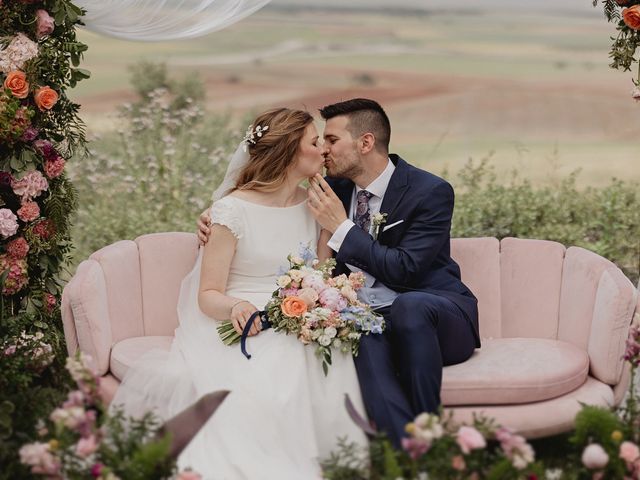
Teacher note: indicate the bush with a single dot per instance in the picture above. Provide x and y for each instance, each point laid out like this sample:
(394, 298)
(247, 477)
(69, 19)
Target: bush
(156, 173)
(604, 220)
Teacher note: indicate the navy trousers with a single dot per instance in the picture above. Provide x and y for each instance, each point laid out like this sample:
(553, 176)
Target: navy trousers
(400, 371)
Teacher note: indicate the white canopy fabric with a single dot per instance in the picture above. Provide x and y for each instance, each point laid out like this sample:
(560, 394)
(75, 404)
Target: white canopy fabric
(157, 20)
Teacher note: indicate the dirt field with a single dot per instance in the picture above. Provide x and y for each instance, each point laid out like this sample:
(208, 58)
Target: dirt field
(532, 91)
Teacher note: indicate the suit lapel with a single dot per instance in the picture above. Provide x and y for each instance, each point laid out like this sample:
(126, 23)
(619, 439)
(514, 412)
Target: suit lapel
(398, 186)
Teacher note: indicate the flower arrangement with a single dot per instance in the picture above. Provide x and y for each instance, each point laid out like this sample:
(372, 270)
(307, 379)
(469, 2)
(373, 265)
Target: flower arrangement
(604, 445)
(39, 132)
(626, 15)
(317, 308)
(81, 441)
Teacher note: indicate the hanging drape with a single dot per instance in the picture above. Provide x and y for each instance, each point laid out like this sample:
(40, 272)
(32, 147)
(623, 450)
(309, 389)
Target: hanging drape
(157, 20)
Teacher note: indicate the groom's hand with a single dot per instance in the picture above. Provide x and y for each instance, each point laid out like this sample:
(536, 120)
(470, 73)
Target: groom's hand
(324, 204)
(204, 230)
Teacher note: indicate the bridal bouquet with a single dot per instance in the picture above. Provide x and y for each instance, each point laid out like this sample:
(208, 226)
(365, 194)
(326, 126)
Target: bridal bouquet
(317, 308)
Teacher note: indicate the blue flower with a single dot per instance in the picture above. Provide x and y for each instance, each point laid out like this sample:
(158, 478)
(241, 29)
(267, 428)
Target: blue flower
(306, 253)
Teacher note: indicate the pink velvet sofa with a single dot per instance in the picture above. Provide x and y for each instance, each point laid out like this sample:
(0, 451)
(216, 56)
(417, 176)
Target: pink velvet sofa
(554, 321)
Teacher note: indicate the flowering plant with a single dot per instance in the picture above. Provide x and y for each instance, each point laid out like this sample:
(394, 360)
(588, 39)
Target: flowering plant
(626, 15)
(317, 308)
(81, 441)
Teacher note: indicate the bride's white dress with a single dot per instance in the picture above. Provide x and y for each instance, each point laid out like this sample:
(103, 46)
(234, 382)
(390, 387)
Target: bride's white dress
(282, 414)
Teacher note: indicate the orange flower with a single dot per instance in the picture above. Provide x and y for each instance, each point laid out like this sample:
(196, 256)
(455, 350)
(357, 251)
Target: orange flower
(16, 81)
(631, 17)
(45, 98)
(293, 306)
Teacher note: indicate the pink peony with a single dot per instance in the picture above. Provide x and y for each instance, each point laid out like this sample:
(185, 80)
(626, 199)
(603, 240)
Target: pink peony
(44, 23)
(17, 278)
(594, 457)
(30, 186)
(18, 248)
(330, 298)
(8, 223)
(86, 446)
(29, 211)
(468, 438)
(53, 168)
(189, 475)
(629, 452)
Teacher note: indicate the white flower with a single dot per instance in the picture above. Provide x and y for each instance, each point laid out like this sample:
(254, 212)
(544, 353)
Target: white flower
(324, 340)
(284, 281)
(330, 332)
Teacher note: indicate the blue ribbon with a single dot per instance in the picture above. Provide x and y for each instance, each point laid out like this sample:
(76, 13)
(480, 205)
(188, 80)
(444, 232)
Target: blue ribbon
(264, 323)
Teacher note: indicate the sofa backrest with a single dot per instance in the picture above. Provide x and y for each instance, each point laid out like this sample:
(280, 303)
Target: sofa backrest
(540, 289)
(165, 259)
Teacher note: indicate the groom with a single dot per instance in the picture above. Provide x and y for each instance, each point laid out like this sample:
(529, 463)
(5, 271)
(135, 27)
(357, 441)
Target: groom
(431, 316)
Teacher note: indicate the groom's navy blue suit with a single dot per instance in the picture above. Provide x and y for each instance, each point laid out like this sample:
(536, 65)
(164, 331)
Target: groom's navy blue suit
(433, 321)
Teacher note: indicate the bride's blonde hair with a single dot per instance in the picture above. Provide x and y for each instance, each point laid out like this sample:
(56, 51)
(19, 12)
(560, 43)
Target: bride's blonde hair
(271, 154)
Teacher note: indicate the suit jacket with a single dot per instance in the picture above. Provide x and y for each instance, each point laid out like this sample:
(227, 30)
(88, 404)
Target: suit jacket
(415, 254)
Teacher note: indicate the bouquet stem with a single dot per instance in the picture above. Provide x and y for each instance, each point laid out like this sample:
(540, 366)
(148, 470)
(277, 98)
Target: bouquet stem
(228, 334)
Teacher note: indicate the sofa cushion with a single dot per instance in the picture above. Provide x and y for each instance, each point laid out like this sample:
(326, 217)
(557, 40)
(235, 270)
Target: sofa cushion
(126, 352)
(515, 370)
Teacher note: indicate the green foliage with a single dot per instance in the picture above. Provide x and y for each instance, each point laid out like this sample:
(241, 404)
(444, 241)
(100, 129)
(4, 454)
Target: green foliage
(593, 423)
(627, 40)
(604, 220)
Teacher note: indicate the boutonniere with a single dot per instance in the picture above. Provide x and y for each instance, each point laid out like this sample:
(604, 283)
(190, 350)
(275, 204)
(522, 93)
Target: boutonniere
(377, 221)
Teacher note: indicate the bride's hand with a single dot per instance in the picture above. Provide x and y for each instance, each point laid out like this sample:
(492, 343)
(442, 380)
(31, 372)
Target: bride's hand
(204, 222)
(240, 314)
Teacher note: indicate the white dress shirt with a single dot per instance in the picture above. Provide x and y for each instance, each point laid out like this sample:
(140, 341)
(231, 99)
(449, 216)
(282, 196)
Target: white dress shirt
(374, 293)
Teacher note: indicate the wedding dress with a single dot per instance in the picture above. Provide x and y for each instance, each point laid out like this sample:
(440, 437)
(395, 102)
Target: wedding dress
(282, 414)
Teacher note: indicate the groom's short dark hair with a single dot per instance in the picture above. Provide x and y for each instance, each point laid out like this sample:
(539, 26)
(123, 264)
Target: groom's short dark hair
(365, 116)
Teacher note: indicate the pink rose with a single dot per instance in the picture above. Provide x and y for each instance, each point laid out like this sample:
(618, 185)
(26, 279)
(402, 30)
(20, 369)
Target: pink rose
(44, 23)
(629, 452)
(29, 211)
(96, 469)
(468, 438)
(594, 457)
(53, 168)
(189, 475)
(86, 446)
(8, 223)
(309, 295)
(415, 447)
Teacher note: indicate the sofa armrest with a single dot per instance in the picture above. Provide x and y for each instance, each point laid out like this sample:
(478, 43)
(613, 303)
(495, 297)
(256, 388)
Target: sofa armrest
(615, 303)
(86, 314)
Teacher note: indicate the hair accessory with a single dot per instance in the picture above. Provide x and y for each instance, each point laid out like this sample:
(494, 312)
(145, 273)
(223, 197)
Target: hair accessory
(253, 135)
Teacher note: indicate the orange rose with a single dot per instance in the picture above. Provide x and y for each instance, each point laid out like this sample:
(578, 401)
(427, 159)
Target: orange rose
(45, 98)
(293, 306)
(16, 81)
(631, 17)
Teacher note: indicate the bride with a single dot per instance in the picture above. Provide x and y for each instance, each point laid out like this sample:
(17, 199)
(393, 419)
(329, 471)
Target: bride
(282, 414)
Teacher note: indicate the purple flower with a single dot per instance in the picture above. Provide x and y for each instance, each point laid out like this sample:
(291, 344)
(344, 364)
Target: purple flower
(30, 134)
(45, 147)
